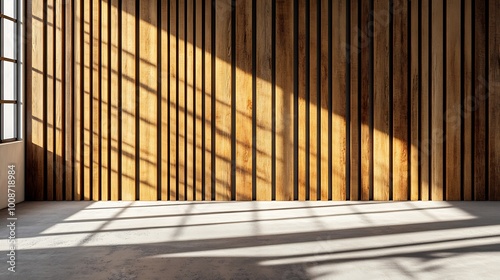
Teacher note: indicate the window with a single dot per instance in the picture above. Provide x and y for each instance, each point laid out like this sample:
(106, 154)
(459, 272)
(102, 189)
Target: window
(11, 70)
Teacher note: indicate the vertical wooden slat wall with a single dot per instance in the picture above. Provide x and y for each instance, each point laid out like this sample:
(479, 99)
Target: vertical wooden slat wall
(263, 100)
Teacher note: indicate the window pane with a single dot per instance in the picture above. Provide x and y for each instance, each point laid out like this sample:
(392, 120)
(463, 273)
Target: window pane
(9, 8)
(20, 128)
(8, 81)
(9, 39)
(8, 121)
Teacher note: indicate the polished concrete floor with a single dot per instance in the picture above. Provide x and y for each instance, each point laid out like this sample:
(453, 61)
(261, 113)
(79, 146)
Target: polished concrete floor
(255, 240)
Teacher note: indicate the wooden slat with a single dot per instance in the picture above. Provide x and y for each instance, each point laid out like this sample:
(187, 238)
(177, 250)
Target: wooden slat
(128, 100)
(148, 90)
(301, 118)
(355, 49)
(58, 102)
(34, 111)
(95, 101)
(339, 111)
(208, 95)
(381, 139)
(400, 101)
(425, 140)
(467, 102)
(198, 103)
(165, 99)
(78, 94)
(437, 80)
(69, 97)
(87, 101)
(325, 153)
(366, 137)
(115, 100)
(223, 100)
(173, 102)
(414, 187)
(453, 100)
(494, 100)
(50, 80)
(313, 100)
(190, 95)
(263, 119)
(480, 94)
(284, 100)
(105, 102)
(244, 100)
(181, 102)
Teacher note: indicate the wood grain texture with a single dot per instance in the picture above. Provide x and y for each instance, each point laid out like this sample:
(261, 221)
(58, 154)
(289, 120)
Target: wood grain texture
(198, 135)
(105, 100)
(302, 118)
(453, 100)
(78, 93)
(415, 91)
(244, 100)
(223, 161)
(339, 111)
(325, 152)
(313, 100)
(284, 100)
(95, 96)
(425, 140)
(381, 153)
(128, 100)
(263, 118)
(50, 97)
(69, 98)
(58, 101)
(400, 152)
(209, 101)
(165, 81)
(494, 100)
(173, 93)
(437, 80)
(148, 106)
(190, 88)
(115, 101)
(468, 160)
(366, 136)
(480, 96)
(354, 49)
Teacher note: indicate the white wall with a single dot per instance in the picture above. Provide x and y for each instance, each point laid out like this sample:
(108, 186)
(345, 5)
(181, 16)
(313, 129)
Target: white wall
(11, 153)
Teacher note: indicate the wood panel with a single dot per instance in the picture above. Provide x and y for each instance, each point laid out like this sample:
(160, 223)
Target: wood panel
(480, 96)
(244, 100)
(194, 100)
(128, 95)
(355, 129)
(223, 99)
(453, 100)
(339, 111)
(414, 96)
(400, 95)
(381, 137)
(148, 106)
(164, 52)
(284, 100)
(425, 78)
(365, 48)
(105, 94)
(264, 110)
(437, 101)
(494, 100)
(115, 102)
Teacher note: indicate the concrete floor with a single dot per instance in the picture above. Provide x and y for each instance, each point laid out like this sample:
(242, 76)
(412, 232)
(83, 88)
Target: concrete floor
(255, 240)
